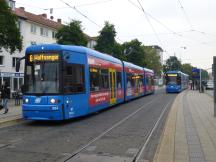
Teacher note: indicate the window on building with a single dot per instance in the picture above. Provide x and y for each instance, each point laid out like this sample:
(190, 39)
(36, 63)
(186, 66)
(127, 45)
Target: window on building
(11, 4)
(19, 23)
(15, 84)
(1, 60)
(53, 34)
(33, 28)
(33, 43)
(74, 81)
(21, 82)
(14, 60)
(44, 32)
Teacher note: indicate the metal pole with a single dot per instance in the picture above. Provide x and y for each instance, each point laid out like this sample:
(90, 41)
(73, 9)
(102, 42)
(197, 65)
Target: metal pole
(214, 71)
(200, 81)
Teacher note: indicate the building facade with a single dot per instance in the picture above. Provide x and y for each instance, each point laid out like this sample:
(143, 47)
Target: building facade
(35, 29)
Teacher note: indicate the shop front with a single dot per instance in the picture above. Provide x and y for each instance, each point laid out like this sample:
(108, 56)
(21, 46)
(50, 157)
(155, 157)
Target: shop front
(13, 80)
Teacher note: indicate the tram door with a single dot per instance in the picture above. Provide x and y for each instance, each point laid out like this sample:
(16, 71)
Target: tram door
(112, 80)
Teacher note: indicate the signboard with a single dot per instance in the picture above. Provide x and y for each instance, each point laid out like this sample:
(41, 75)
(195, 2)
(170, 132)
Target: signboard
(196, 73)
(8, 74)
(43, 57)
(172, 75)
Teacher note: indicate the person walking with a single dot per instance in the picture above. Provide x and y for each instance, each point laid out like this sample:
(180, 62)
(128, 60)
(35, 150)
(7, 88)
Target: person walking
(5, 95)
(192, 85)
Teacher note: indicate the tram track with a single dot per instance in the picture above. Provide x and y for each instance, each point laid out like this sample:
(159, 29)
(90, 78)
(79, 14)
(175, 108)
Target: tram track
(138, 156)
(149, 134)
(111, 133)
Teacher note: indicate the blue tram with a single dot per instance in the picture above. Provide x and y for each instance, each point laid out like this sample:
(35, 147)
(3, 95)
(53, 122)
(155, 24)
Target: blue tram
(176, 81)
(63, 82)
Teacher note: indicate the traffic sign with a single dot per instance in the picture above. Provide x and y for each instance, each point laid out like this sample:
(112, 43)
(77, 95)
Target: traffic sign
(196, 73)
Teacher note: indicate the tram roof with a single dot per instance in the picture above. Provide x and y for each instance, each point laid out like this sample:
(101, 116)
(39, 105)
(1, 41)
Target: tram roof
(148, 70)
(131, 65)
(175, 71)
(79, 49)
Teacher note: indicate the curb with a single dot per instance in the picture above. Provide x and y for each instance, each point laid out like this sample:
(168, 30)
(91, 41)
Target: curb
(167, 126)
(16, 119)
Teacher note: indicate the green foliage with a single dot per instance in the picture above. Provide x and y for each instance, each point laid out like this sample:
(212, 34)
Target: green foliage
(134, 52)
(152, 59)
(187, 69)
(204, 75)
(71, 34)
(10, 37)
(172, 64)
(118, 52)
(106, 40)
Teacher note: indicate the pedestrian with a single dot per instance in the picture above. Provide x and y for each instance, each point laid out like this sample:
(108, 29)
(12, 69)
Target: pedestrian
(17, 97)
(5, 95)
(192, 85)
(22, 88)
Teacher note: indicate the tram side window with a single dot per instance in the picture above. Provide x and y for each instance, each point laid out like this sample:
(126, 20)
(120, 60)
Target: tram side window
(147, 80)
(140, 80)
(119, 80)
(179, 80)
(130, 80)
(74, 78)
(94, 79)
(104, 79)
(152, 80)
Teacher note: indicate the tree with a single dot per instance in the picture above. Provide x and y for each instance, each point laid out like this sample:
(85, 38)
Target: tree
(71, 34)
(172, 64)
(106, 40)
(134, 52)
(187, 69)
(10, 37)
(152, 60)
(118, 52)
(204, 74)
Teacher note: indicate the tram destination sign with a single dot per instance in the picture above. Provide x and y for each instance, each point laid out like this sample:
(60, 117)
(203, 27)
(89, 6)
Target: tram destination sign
(172, 75)
(43, 57)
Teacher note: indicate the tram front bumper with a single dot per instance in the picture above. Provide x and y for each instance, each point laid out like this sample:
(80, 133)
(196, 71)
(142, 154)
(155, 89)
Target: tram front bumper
(42, 112)
(173, 89)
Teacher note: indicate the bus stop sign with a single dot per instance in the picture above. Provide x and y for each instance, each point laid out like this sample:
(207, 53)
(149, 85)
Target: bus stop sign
(196, 73)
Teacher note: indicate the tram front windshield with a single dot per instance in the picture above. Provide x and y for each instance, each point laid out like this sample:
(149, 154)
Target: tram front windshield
(42, 77)
(172, 79)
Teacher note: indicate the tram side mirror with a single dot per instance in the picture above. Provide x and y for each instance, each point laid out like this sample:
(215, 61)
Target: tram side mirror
(18, 65)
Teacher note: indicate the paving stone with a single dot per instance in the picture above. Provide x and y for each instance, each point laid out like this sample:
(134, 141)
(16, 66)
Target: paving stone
(197, 160)
(198, 154)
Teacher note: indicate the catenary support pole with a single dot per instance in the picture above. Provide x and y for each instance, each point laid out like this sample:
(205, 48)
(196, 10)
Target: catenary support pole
(200, 81)
(214, 75)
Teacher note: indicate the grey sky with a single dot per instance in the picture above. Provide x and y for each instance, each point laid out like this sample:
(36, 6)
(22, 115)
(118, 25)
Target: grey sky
(195, 30)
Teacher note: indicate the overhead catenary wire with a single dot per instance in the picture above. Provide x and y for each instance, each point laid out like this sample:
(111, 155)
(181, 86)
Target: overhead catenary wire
(179, 34)
(151, 25)
(79, 5)
(79, 12)
(185, 14)
(155, 19)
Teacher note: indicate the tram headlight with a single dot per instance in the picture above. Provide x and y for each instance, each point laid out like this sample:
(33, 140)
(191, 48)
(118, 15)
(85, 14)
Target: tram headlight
(53, 100)
(26, 100)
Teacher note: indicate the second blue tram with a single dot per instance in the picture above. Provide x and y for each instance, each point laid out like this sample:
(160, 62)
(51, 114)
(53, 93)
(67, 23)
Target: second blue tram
(176, 81)
(63, 82)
